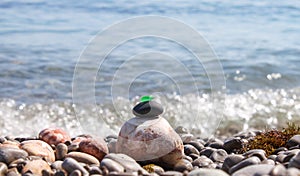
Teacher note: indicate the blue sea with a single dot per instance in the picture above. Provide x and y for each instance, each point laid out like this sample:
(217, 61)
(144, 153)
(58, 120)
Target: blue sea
(256, 42)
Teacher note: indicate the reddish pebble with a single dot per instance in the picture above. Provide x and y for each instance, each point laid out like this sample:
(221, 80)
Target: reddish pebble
(38, 148)
(97, 148)
(54, 136)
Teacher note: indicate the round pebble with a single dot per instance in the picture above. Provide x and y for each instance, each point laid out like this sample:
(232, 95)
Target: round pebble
(54, 136)
(197, 145)
(278, 170)
(294, 141)
(202, 161)
(127, 162)
(261, 154)
(231, 144)
(83, 158)
(207, 151)
(75, 173)
(7, 155)
(38, 148)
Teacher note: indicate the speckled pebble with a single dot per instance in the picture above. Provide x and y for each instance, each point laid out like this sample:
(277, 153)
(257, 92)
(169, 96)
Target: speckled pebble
(54, 136)
(95, 147)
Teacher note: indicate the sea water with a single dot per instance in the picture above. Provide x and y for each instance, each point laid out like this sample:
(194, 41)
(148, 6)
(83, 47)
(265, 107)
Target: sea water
(257, 44)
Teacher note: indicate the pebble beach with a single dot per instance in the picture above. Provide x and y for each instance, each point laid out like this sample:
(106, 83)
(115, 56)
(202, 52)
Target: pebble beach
(54, 152)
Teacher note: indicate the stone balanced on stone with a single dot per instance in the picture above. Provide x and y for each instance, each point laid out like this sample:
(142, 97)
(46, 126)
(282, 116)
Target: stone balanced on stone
(148, 137)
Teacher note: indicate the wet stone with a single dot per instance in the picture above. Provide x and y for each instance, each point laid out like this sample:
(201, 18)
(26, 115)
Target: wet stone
(218, 156)
(230, 161)
(7, 155)
(247, 162)
(259, 169)
(183, 165)
(190, 149)
(207, 172)
(278, 170)
(294, 141)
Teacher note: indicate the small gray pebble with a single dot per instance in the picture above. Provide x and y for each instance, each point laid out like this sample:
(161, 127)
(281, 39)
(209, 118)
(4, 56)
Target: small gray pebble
(216, 145)
(95, 170)
(294, 141)
(75, 173)
(181, 130)
(70, 164)
(189, 149)
(199, 146)
(232, 144)
(207, 172)
(60, 151)
(272, 157)
(292, 172)
(247, 162)
(230, 161)
(218, 156)
(7, 155)
(280, 157)
(202, 161)
(183, 165)
(261, 154)
(278, 170)
(207, 151)
(254, 170)
(111, 165)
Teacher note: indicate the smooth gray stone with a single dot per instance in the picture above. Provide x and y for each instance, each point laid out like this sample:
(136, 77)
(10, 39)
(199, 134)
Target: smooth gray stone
(181, 130)
(147, 109)
(295, 161)
(56, 165)
(292, 172)
(189, 149)
(202, 161)
(207, 172)
(230, 161)
(232, 144)
(60, 151)
(261, 154)
(7, 155)
(254, 170)
(207, 151)
(112, 146)
(183, 165)
(70, 164)
(111, 165)
(294, 141)
(278, 170)
(75, 173)
(216, 145)
(219, 155)
(197, 145)
(247, 162)
(171, 173)
(129, 164)
(3, 168)
(95, 170)
(268, 161)
(280, 157)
